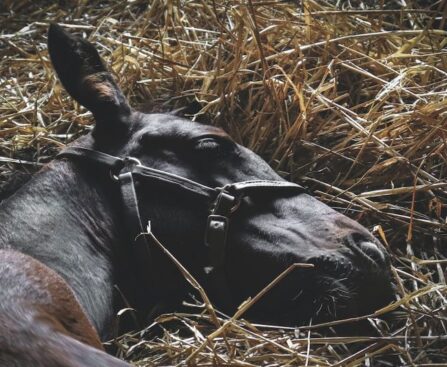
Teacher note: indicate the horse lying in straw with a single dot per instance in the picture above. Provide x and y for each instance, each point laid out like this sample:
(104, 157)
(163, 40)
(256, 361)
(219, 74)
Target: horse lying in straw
(72, 233)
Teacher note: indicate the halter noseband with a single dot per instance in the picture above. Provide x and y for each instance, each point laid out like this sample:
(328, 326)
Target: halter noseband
(224, 201)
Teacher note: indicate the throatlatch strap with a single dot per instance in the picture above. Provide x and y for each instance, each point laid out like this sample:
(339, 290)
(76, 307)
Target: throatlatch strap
(131, 210)
(139, 245)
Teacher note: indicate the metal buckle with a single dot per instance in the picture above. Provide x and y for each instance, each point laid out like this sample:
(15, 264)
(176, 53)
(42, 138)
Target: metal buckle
(221, 204)
(129, 162)
(237, 198)
(216, 239)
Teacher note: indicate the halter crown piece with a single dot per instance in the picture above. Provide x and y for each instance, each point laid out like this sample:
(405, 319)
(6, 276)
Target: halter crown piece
(225, 200)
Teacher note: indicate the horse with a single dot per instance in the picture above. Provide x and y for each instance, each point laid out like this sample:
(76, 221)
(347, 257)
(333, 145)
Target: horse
(41, 322)
(218, 207)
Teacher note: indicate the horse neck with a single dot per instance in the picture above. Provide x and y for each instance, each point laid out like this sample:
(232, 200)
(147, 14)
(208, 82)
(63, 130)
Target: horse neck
(64, 219)
(60, 199)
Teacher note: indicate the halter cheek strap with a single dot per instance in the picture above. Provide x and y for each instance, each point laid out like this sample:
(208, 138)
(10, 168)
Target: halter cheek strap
(224, 201)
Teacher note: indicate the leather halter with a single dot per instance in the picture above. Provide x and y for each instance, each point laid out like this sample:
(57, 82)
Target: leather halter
(224, 201)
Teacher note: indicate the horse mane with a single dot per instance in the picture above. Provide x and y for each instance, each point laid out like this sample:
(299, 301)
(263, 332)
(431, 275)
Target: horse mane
(13, 182)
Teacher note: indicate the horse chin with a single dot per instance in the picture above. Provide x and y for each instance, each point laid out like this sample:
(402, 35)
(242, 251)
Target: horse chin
(338, 291)
(349, 292)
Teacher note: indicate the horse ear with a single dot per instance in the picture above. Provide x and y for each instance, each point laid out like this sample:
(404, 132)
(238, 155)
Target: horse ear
(84, 75)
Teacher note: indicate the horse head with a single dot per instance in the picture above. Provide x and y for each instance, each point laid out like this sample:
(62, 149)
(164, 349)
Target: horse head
(268, 223)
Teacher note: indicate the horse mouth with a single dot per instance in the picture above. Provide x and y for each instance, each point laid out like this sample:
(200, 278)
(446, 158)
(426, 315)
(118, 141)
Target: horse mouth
(350, 288)
(338, 287)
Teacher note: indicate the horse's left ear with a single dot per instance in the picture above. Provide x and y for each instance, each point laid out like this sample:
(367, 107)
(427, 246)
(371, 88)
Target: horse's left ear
(84, 75)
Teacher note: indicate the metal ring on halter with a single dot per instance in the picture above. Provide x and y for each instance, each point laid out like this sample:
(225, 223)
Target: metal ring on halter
(238, 197)
(129, 162)
(237, 203)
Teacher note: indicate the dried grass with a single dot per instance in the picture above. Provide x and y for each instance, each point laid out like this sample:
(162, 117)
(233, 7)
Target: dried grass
(349, 100)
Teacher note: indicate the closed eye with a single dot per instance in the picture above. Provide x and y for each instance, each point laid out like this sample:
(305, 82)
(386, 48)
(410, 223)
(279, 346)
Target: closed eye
(213, 144)
(206, 144)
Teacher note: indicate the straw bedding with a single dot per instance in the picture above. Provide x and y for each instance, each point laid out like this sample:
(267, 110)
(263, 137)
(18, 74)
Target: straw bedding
(346, 97)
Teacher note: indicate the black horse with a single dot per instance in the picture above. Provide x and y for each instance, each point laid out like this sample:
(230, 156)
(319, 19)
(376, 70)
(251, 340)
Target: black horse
(81, 214)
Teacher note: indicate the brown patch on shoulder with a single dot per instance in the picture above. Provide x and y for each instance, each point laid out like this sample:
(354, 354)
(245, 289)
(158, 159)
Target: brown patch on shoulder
(62, 312)
(100, 85)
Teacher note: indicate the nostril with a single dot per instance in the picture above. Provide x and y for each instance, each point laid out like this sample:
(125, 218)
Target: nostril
(373, 251)
(367, 250)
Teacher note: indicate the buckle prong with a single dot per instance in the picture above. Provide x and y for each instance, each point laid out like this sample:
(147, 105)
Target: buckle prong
(129, 163)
